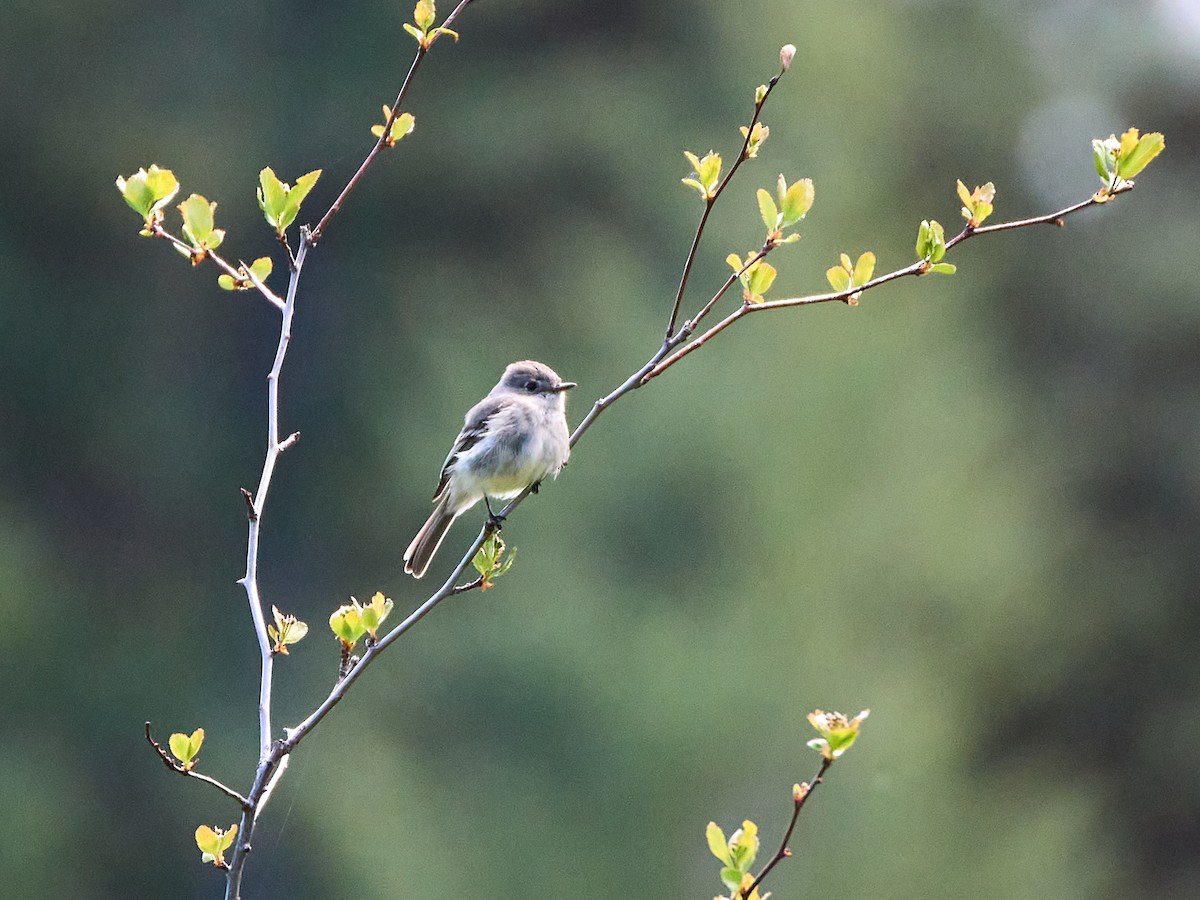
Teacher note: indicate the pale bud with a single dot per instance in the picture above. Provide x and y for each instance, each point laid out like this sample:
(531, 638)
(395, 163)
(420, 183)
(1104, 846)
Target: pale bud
(785, 55)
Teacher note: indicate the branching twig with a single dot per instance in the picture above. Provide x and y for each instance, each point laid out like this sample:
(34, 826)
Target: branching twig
(710, 201)
(175, 766)
(918, 268)
(156, 230)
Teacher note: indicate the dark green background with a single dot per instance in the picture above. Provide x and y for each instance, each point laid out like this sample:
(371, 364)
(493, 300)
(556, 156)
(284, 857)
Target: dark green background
(970, 504)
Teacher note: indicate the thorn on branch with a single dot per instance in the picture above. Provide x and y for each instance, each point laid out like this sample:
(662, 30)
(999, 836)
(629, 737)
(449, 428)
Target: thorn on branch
(251, 512)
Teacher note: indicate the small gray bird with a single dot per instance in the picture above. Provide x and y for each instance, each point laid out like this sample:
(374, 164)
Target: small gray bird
(511, 439)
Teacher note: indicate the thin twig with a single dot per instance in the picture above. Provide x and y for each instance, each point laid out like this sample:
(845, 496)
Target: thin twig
(175, 766)
(709, 202)
(799, 798)
(237, 275)
(384, 137)
(920, 267)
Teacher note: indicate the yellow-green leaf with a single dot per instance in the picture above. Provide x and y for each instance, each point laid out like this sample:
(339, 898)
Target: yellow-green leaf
(1147, 147)
(796, 200)
(838, 277)
(767, 209)
(213, 842)
(424, 14)
(186, 747)
(716, 843)
(864, 269)
(148, 191)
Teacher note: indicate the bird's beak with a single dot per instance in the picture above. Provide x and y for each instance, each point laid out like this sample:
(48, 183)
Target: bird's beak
(565, 385)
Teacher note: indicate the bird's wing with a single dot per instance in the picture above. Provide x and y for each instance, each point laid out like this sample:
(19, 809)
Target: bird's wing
(475, 428)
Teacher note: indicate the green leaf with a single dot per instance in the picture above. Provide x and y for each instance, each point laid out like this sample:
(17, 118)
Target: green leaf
(261, 268)
(796, 201)
(147, 191)
(709, 171)
(213, 842)
(186, 747)
(839, 278)
(198, 228)
(731, 877)
(402, 125)
(931, 240)
(272, 193)
(279, 201)
(375, 612)
(864, 269)
(745, 845)
(424, 14)
(943, 268)
(347, 624)
(1104, 154)
(963, 194)
(415, 32)
(295, 196)
(759, 278)
(716, 843)
(766, 209)
(1143, 152)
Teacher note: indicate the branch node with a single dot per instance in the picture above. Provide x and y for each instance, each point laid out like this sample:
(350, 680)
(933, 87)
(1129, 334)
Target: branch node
(251, 512)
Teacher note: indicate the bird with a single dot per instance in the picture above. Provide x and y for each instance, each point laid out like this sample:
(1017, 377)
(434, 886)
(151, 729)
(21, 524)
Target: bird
(511, 440)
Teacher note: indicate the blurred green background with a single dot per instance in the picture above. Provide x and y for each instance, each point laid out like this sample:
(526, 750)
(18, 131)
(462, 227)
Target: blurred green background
(970, 503)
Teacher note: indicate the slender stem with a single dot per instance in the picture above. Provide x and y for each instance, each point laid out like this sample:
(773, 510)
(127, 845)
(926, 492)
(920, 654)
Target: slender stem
(270, 765)
(387, 127)
(158, 231)
(798, 801)
(690, 325)
(709, 202)
(920, 267)
(175, 766)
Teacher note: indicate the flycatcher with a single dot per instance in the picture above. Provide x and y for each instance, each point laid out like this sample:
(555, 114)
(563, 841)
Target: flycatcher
(511, 439)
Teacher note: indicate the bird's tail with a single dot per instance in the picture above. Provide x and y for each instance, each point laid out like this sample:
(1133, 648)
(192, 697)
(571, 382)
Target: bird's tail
(428, 539)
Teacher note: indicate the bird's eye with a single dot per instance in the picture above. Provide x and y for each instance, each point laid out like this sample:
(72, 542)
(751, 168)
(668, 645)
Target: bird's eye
(531, 386)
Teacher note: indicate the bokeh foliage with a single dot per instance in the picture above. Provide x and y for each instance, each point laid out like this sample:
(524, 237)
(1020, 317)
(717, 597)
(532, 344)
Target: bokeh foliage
(969, 503)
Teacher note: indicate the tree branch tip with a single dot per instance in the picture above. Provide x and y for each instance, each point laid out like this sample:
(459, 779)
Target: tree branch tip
(158, 748)
(289, 441)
